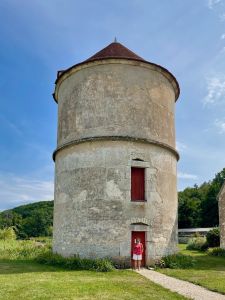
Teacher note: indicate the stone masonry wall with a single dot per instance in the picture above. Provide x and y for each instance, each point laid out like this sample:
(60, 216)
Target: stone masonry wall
(116, 99)
(222, 216)
(94, 215)
(114, 114)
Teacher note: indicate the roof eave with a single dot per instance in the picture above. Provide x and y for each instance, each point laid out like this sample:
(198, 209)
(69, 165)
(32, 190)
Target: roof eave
(61, 73)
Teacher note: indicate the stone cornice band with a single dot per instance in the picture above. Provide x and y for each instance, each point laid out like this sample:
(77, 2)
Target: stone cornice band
(116, 138)
(87, 64)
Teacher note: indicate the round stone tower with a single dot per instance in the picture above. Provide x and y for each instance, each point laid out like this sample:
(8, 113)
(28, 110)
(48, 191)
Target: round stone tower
(115, 162)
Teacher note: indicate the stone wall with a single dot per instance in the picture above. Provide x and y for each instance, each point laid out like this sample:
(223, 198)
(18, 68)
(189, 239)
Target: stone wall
(114, 114)
(221, 201)
(117, 98)
(94, 215)
(185, 234)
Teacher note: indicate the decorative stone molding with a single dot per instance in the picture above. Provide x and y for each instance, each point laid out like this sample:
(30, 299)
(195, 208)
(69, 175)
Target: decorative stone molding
(140, 164)
(144, 221)
(116, 138)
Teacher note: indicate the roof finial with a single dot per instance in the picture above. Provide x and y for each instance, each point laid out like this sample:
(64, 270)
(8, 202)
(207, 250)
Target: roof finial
(115, 40)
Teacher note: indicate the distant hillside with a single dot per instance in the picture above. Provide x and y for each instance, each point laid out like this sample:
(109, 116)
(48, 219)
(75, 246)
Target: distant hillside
(29, 220)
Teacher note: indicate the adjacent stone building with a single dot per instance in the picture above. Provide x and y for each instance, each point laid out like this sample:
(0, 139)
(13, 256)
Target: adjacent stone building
(115, 162)
(221, 202)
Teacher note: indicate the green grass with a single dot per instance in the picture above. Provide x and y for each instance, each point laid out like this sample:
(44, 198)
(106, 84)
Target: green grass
(28, 280)
(208, 271)
(23, 278)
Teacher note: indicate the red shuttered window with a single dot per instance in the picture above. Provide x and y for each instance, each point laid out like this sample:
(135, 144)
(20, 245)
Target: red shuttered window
(137, 184)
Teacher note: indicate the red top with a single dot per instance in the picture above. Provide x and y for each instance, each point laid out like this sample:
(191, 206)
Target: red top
(115, 50)
(138, 249)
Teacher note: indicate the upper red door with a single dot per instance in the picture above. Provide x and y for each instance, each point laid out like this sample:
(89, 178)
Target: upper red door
(137, 184)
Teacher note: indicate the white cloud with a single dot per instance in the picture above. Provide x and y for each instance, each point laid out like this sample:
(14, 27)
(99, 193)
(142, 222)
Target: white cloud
(181, 147)
(220, 124)
(187, 176)
(213, 3)
(15, 190)
(215, 90)
(222, 36)
(222, 17)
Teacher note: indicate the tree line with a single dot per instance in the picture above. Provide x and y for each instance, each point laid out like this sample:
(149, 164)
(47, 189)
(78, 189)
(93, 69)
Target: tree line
(29, 220)
(198, 207)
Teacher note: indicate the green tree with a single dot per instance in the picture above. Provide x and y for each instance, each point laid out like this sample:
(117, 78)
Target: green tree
(9, 218)
(198, 206)
(189, 208)
(29, 220)
(209, 209)
(37, 225)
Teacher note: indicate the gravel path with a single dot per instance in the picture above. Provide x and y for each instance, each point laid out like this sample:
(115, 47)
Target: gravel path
(182, 287)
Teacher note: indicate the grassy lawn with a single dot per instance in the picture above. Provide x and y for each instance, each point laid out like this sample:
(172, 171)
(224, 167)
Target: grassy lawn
(29, 280)
(209, 271)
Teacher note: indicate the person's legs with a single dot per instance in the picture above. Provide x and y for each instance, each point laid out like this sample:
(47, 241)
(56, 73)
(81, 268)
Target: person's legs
(135, 264)
(139, 265)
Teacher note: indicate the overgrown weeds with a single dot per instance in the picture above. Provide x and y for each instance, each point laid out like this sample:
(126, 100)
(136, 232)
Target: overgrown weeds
(75, 262)
(39, 250)
(217, 252)
(176, 261)
(197, 243)
(21, 249)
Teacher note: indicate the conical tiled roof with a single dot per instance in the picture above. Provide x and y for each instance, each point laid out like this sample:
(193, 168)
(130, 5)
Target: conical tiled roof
(115, 50)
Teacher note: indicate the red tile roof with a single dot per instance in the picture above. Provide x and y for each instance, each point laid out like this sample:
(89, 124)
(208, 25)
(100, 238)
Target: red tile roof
(115, 50)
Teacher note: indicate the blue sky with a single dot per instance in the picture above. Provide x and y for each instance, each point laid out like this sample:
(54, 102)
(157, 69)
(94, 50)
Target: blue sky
(39, 37)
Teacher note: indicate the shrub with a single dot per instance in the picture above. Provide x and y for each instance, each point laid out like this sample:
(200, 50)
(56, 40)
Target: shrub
(14, 249)
(75, 262)
(7, 234)
(198, 243)
(121, 262)
(160, 264)
(42, 239)
(217, 252)
(177, 261)
(197, 235)
(103, 265)
(205, 246)
(213, 237)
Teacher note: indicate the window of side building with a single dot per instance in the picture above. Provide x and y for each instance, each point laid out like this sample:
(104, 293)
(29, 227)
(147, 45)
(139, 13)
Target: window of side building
(137, 184)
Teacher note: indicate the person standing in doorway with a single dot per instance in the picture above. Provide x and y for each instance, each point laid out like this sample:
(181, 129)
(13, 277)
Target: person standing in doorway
(137, 254)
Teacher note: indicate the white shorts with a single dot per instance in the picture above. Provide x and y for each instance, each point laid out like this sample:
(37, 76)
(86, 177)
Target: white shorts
(137, 257)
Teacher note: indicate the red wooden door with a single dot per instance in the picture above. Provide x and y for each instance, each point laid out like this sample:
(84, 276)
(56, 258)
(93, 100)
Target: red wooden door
(138, 235)
(137, 184)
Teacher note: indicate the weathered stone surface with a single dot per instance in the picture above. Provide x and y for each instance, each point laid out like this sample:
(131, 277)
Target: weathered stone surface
(221, 202)
(93, 210)
(93, 213)
(103, 101)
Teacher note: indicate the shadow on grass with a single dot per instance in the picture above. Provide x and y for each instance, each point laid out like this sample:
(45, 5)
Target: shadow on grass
(25, 266)
(204, 261)
(208, 262)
